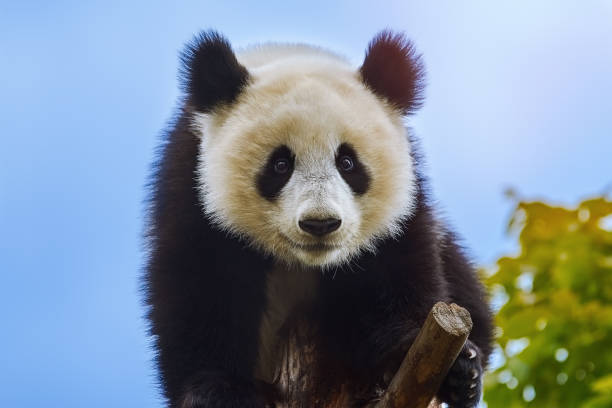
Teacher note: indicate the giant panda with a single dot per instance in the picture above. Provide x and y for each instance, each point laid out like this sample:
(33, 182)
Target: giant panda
(288, 189)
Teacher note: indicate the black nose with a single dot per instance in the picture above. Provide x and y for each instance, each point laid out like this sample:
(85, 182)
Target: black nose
(320, 227)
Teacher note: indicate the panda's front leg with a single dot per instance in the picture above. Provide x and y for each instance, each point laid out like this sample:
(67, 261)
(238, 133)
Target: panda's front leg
(462, 386)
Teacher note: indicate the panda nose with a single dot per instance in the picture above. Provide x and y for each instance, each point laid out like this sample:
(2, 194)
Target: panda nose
(320, 227)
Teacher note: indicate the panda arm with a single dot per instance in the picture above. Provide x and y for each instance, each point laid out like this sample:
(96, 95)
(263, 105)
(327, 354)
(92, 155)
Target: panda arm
(463, 384)
(374, 312)
(205, 291)
(206, 329)
(422, 267)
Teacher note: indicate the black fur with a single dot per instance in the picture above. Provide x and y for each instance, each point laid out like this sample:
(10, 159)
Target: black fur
(210, 73)
(205, 291)
(269, 181)
(357, 178)
(462, 386)
(370, 312)
(206, 294)
(393, 70)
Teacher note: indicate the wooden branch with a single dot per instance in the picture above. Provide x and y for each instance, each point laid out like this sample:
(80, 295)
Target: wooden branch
(430, 357)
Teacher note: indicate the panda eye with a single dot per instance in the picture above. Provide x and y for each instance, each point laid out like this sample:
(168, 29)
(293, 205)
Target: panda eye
(277, 171)
(281, 166)
(346, 163)
(352, 170)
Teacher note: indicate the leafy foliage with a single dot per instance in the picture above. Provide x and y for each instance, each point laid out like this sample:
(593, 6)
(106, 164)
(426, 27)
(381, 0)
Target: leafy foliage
(555, 325)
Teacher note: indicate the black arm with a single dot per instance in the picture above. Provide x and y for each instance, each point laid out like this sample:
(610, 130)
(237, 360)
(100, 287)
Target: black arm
(205, 291)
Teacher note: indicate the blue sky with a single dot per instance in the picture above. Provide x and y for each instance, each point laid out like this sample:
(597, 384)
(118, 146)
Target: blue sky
(518, 97)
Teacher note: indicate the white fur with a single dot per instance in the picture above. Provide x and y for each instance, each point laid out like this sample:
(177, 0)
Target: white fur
(286, 290)
(311, 101)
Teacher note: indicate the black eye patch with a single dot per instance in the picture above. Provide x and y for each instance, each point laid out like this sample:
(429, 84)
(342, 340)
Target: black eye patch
(351, 169)
(276, 173)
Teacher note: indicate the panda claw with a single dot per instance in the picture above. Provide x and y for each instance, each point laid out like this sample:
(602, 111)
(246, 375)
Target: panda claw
(463, 384)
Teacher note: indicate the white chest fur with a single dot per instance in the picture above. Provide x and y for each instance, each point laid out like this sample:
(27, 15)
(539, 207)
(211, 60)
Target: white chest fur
(287, 289)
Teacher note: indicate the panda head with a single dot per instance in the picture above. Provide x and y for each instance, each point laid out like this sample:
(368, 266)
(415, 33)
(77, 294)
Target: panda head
(301, 155)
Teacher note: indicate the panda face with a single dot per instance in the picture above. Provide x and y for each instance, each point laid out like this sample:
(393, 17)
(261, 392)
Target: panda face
(307, 164)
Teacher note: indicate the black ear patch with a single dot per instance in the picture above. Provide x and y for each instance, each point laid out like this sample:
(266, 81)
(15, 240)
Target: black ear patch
(210, 73)
(272, 178)
(393, 70)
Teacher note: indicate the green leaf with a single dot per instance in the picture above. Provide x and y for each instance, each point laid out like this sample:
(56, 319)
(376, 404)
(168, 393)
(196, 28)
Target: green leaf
(556, 297)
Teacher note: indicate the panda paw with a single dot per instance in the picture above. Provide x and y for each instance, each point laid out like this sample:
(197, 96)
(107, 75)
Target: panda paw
(463, 384)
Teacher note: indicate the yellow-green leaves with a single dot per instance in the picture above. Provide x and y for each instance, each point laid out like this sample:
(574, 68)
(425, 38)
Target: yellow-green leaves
(555, 320)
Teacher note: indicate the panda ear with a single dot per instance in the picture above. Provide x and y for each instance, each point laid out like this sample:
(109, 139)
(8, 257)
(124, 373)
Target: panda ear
(393, 70)
(210, 73)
